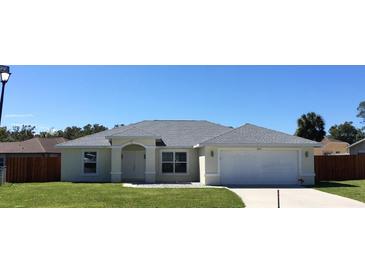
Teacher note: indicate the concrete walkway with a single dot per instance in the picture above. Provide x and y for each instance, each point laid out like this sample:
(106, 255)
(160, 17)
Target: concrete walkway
(293, 198)
(156, 185)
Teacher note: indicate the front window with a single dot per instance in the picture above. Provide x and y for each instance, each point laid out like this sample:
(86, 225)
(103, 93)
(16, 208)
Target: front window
(90, 162)
(174, 162)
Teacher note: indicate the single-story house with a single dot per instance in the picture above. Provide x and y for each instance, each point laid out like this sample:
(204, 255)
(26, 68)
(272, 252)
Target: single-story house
(332, 146)
(189, 151)
(357, 148)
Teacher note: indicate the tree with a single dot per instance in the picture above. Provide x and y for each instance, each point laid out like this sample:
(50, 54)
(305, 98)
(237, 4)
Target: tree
(75, 132)
(23, 133)
(346, 132)
(26, 132)
(46, 134)
(72, 133)
(311, 126)
(87, 130)
(99, 128)
(58, 133)
(91, 129)
(361, 110)
(4, 134)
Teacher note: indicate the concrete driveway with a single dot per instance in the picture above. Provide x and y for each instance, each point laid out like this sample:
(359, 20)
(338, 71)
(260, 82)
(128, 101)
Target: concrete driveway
(293, 198)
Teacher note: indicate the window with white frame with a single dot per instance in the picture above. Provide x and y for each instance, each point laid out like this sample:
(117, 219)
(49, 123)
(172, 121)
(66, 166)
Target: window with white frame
(174, 162)
(89, 161)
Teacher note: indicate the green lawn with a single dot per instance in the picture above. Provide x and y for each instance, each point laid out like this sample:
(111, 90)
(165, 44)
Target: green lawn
(100, 195)
(350, 189)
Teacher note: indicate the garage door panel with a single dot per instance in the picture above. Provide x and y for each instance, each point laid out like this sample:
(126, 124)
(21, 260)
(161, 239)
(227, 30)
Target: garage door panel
(259, 167)
(237, 166)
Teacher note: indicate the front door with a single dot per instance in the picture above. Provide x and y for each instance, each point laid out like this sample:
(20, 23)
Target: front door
(133, 166)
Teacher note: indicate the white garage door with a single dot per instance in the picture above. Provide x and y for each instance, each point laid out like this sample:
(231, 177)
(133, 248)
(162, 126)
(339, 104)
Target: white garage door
(259, 167)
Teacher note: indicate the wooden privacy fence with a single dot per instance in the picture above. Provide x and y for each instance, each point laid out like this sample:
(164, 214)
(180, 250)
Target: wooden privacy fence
(33, 169)
(347, 167)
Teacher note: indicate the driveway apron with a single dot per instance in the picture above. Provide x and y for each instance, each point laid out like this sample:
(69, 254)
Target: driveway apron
(293, 198)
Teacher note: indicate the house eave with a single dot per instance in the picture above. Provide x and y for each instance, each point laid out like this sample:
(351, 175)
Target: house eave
(174, 147)
(257, 145)
(81, 146)
(158, 147)
(357, 143)
(131, 137)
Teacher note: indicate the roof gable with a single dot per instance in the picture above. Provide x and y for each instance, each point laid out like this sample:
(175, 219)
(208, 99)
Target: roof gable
(249, 134)
(183, 133)
(174, 133)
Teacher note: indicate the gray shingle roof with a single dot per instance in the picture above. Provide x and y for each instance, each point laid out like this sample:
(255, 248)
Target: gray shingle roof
(34, 145)
(174, 133)
(94, 140)
(184, 133)
(251, 135)
(132, 131)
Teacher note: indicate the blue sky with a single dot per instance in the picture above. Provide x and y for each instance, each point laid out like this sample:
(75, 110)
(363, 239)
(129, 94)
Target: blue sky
(270, 96)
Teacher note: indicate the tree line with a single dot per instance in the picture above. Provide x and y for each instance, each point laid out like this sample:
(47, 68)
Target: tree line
(312, 126)
(26, 132)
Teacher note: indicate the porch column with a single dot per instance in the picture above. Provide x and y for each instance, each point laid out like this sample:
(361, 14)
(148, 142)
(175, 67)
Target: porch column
(150, 173)
(116, 164)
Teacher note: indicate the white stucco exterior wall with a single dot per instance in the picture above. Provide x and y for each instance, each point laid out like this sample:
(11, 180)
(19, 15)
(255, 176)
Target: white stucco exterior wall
(72, 165)
(121, 144)
(211, 168)
(203, 163)
(116, 164)
(307, 172)
(109, 166)
(202, 167)
(150, 173)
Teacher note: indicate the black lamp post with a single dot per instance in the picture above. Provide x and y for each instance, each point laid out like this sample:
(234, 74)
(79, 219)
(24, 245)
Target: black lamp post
(4, 77)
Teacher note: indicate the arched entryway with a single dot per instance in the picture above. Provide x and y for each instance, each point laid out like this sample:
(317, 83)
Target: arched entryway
(133, 163)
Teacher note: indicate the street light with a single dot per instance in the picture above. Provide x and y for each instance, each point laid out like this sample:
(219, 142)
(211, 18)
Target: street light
(4, 74)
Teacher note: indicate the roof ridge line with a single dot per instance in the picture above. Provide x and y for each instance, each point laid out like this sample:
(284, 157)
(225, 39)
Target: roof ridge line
(42, 147)
(184, 120)
(173, 120)
(219, 135)
(261, 128)
(135, 127)
(281, 132)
